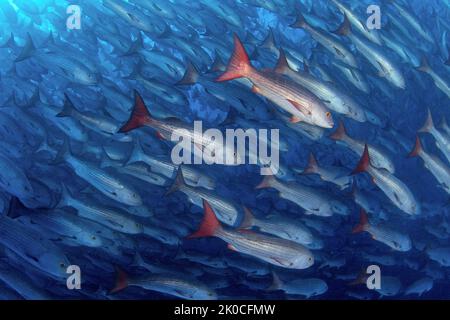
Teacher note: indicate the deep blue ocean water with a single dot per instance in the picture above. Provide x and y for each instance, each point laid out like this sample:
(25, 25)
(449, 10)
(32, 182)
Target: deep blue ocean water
(101, 64)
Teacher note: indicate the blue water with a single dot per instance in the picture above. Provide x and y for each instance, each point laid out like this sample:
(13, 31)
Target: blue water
(31, 138)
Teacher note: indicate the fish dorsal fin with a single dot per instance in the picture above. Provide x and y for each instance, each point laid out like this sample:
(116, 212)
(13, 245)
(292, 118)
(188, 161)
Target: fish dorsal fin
(190, 76)
(269, 42)
(282, 64)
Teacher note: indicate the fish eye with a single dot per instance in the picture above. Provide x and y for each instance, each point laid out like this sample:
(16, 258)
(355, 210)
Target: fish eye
(328, 114)
(93, 237)
(62, 265)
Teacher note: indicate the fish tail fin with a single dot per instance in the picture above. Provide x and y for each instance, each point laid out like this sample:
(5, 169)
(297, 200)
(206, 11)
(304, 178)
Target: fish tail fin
(340, 132)
(209, 225)
(135, 46)
(138, 261)
(139, 117)
(121, 281)
(247, 221)
(429, 124)
(345, 28)
(65, 197)
(313, 166)
(282, 63)
(178, 183)
(267, 182)
(239, 65)
(424, 65)
(364, 162)
(269, 41)
(136, 153)
(218, 65)
(363, 222)
(417, 148)
(360, 279)
(136, 72)
(34, 99)
(27, 50)
(15, 208)
(63, 151)
(276, 282)
(68, 107)
(191, 75)
(300, 21)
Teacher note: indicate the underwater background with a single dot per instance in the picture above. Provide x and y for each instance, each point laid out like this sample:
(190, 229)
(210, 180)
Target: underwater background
(78, 189)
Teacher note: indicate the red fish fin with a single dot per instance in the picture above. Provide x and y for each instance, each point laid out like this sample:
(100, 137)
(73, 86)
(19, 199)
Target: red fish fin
(417, 148)
(209, 225)
(139, 116)
(299, 107)
(363, 222)
(266, 182)
(239, 65)
(313, 166)
(340, 132)
(364, 162)
(121, 281)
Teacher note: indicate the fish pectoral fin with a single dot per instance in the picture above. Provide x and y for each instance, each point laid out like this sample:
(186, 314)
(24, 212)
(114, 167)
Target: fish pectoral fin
(256, 90)
(295, 119)
(231, 247)
(299, 107)
(159, 135)
(278, 261)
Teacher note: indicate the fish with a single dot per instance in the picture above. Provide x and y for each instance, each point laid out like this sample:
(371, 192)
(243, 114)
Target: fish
(392, 187)
(412, 20)
(312, 200)
(300, 103)
(110, 217)
(135, 17)
(33, 249)
(437, 167)
(378, 157)
(438, 80)
(439, 254)
(391, 238)
(281, 227)
(337, 175)
(375, 55)
(333, 98)
(304, 287)
(106, 183)
(441, 140)
(21, 284)
(330, 43)
(227, 211)
(167, 284)
(420, 286)
(97, 123)
(166, 128)
(279, 252)
(372, 35)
